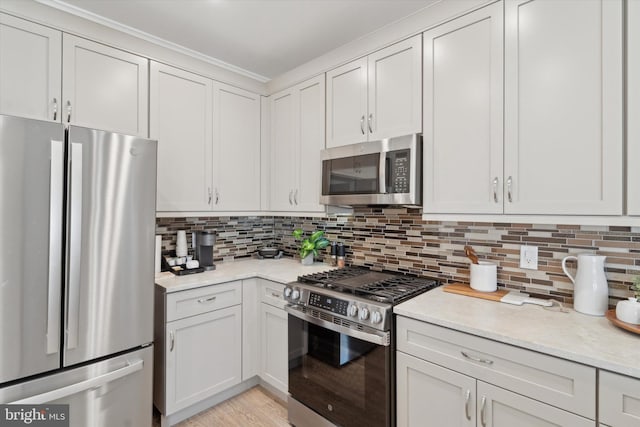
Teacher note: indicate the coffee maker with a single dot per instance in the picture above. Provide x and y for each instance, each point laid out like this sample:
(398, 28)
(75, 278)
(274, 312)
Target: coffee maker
(203, 243)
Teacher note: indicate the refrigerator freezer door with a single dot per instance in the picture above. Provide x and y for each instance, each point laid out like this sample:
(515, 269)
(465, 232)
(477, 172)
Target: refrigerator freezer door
(31, 209)
(111, 238)
(114, 392)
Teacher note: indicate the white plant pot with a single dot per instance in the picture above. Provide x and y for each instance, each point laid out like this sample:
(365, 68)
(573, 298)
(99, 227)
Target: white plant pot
(629, 311)
(308, 260)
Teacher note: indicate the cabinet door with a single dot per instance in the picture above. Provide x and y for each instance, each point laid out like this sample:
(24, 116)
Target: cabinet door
(104, 88)
(619, 399)
(463, 114)
(181, 121)
(283, 150)
(395, 90)
(347, 104)
(497, 407)
(310, 133)
(274, 347)
(563, 107)
(430, 395)
(633, 107)
(236, 149)
(30, 69)
(203, 356)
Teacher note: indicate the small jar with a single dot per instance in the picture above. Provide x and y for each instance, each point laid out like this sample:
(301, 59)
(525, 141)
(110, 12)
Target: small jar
(629, 311)
(334, 254)
(341, 252)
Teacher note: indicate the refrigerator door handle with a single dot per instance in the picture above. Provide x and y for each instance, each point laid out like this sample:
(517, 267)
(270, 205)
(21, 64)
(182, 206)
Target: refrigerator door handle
(54, 290)
(76, 388)
(75, 246)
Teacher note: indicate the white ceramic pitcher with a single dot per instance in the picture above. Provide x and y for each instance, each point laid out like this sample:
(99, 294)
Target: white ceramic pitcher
(591, 291)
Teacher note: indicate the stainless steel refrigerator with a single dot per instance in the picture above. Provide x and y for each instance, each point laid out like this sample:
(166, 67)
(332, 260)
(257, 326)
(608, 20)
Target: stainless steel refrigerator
(77, 218)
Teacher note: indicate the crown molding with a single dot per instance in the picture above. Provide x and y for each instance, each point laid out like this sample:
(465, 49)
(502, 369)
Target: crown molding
(90, 16)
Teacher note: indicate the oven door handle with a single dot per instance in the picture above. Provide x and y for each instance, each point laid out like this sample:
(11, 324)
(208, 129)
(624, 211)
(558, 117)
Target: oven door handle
(374, 337)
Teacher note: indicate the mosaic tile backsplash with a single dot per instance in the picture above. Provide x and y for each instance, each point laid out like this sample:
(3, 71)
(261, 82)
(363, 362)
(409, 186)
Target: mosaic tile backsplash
(398, 239)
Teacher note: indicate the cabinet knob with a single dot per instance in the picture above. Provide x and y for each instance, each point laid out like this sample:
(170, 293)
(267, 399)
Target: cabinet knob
(370, 120)
(362, 124)
(509, 182)
(467, 400)
(483, 406)
(172, 341)
(210, 195)
(55, 109)
(495, 189)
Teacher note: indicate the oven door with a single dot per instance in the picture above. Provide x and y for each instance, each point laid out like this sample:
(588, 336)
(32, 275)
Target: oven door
(346, 379)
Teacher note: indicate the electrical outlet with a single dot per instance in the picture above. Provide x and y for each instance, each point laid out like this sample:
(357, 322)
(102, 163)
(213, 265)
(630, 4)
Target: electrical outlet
(529, 257)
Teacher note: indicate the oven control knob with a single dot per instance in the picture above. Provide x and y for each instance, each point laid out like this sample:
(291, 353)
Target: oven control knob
(287, 292)
(364, 313)
(295, 294)
(352, 310)
(376, 317)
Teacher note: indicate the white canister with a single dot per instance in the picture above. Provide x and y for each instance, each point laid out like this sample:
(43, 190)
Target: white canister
(629, 311)
(181, 244)
(484, 276)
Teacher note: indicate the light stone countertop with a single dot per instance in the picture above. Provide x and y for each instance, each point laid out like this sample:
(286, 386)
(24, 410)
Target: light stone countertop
(282, 270)
(590, 340)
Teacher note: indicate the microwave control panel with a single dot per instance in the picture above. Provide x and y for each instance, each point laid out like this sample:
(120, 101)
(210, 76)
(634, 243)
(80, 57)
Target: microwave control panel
(398, 171)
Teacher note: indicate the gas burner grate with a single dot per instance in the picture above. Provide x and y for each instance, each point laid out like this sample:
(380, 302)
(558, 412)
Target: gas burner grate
(378, 286)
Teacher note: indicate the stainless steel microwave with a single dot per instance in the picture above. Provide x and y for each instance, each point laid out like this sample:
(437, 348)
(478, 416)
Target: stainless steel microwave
(384, 172)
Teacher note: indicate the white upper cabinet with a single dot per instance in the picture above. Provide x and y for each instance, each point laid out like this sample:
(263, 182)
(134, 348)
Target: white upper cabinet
(30, 69)
(376, 97)
(311, 98)
(563, 107)
(462, 109)
(236, 149)
(181, 120)
(104, 88)
(297, 137)
(347, 104)
(633, 107)
(395, 90)
(283, 152)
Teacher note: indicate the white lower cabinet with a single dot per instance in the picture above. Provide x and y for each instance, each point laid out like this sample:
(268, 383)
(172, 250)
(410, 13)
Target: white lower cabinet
(430, 392)
(274, 367)
(203, 356)
(447, 378)
(274, 336)
(497, 407)
(619, 400)
(198, 345)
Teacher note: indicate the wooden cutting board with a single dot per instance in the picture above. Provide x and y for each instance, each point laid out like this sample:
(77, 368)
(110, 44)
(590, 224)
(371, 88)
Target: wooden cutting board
(462, 289)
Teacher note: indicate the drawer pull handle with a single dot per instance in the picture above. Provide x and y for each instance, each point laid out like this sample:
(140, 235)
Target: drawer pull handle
(172, 341)
(203, 300)
(482, 411)
(275, 295)
(477, 359)
(467, 399)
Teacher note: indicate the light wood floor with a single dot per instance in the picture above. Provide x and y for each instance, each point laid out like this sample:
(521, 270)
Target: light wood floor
(255, 407)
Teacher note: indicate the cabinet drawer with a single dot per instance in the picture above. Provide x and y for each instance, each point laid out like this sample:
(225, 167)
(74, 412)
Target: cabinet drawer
(202, 300)
(271, 293)
(619, 398)
(558, 382)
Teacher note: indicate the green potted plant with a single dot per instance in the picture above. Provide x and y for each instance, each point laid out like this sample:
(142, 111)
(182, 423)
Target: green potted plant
(309, 246)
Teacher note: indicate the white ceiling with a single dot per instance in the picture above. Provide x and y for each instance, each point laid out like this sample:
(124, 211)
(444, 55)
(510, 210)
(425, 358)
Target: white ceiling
(263, 37)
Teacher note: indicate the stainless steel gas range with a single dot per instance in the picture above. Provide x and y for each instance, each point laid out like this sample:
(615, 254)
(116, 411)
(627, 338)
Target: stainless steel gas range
(342, 348)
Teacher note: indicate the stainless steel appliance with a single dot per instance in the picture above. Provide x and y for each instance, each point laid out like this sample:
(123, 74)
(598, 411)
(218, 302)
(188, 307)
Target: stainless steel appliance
(341, 346)
(204, 242)
(384, 172)
(77, 218)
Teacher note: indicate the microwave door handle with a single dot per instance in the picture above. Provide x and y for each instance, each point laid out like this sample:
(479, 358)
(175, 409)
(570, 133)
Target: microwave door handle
(382, 172)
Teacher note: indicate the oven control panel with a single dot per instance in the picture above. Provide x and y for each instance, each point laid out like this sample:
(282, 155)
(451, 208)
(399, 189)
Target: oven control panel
(354, 309)
(334, 305)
